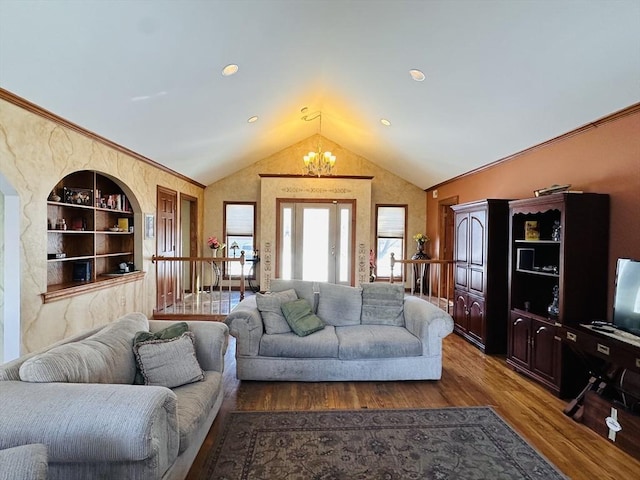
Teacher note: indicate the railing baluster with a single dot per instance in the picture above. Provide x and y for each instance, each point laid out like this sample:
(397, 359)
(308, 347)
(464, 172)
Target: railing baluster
(440, 273)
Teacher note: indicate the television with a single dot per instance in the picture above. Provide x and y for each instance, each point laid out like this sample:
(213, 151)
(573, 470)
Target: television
(626, 301)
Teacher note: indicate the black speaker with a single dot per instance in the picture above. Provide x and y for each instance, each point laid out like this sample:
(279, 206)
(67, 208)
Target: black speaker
(82, 271)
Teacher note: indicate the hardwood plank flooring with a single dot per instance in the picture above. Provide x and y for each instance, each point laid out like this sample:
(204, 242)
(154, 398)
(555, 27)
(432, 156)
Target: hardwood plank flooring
(469, 378)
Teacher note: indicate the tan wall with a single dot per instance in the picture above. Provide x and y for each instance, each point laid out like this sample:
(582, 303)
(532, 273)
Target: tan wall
(603, 159)
(386, 188)
(34, 154)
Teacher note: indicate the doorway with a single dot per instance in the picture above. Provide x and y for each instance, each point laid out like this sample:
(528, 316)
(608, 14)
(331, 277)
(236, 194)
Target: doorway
(166, 272)
(446, 229)
(315, 239)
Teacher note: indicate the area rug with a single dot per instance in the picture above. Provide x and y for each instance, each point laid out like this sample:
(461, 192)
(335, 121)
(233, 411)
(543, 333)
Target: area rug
(443, 444)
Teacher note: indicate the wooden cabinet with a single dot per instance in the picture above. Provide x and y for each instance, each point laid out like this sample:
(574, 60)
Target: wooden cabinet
(534, 347)
(558, 276)
(90, 234)
(480, 273)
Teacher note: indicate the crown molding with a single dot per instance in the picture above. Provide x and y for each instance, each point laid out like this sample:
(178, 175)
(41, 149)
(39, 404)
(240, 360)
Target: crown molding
(41, 112)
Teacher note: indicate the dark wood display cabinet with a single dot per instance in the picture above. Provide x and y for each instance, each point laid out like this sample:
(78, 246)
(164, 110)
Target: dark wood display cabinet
(480, 273)
(557, 276)
(90, 234)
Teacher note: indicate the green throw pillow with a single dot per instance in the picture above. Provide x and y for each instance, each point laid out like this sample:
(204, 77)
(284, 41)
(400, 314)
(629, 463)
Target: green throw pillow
(172, 331)
(300, 317)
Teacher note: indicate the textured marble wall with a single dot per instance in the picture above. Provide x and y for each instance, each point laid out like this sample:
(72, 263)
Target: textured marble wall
(386, 188)
(35, 153)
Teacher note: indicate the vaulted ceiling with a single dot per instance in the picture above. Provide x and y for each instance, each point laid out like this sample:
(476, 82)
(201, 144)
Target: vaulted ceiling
(500, 75)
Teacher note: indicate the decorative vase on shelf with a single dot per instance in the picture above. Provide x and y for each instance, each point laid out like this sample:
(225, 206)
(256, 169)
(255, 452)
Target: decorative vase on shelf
(554, 309)
(214, 252)
(420, 247)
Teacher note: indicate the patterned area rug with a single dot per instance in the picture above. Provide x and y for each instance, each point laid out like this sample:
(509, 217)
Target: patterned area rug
(444, 444)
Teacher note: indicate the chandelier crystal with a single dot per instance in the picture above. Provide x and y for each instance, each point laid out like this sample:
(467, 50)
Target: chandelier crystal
(318, 163)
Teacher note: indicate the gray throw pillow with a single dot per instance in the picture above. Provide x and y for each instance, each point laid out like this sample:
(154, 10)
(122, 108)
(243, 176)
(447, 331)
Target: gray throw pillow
(269, 305)
(172, 331)
(340, 305)
(169, 363)
(300, 317)
(383, 304)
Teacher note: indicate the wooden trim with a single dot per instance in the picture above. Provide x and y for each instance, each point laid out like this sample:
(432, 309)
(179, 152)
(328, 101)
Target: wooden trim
(41, 112)
(99, 284)
(282, 175)
(635, 108)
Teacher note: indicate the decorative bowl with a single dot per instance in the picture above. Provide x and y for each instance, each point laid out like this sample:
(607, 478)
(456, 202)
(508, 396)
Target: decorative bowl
(114, 229)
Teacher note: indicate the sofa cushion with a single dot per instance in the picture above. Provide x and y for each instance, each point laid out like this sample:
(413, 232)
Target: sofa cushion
(169, 363)
(104, 357)
(300, 318)
(339, 305)
(270, 307)
(194, 403)
(321, 344)
(382, 304)
(376, 341)
(172, 331)
(304, 289)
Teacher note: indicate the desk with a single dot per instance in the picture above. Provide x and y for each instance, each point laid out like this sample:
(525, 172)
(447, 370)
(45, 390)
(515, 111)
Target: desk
(614, 349)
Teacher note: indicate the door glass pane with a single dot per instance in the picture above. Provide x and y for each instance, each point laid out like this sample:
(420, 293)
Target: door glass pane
(315, 245)
(287, 248)
(343, 264)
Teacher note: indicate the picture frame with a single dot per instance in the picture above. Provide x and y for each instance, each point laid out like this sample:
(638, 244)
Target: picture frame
(149, 225)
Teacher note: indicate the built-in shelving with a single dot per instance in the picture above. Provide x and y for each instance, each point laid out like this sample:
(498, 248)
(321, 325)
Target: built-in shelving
(83, 253)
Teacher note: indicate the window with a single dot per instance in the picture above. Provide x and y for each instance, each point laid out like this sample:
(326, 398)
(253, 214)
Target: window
(239, 227)
(390, 236)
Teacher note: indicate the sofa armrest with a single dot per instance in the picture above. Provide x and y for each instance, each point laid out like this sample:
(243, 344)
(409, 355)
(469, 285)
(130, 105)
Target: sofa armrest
(427, 322)
(245, 324)
(26, 462)
(92, 422)
(211, 338)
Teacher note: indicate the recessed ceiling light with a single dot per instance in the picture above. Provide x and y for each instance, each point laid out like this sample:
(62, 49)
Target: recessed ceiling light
(230, 70)
(385, 122)
(253, 119)
(417, 75)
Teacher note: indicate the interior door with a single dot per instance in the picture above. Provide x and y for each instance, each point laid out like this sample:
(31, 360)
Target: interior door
(316, 241)
(166, 272)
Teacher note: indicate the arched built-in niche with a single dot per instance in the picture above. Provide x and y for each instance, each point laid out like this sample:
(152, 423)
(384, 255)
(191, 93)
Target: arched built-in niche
(94, 229)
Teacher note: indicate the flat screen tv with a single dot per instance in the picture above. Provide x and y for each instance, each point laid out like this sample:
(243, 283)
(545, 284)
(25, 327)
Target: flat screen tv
(626, 302)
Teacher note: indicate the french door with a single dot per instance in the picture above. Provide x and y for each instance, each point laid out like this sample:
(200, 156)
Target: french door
(316, 241)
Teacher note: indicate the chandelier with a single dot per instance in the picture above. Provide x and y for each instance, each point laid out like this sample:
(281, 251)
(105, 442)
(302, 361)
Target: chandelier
(318, 163)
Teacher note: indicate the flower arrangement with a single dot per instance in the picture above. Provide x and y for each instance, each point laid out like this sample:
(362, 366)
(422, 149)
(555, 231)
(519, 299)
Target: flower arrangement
(421, 238)
(215, 244)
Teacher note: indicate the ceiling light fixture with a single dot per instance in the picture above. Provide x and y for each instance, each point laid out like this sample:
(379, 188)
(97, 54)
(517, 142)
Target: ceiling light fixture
(417, 75)
(385, 122)
(318, 163)
(229, 70)
(253, 119)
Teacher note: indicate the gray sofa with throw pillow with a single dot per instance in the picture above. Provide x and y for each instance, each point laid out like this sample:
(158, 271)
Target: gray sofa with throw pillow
(80, 399)
(348, 333)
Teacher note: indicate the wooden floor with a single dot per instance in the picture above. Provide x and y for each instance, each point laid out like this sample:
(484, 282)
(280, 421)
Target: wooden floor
(469, 378)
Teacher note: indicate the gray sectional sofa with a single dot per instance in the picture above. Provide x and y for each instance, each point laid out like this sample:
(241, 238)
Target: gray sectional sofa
(373, 332)
(77, 398)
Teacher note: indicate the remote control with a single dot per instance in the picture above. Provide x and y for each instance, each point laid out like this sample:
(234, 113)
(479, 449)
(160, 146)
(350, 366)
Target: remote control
(600, 323)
